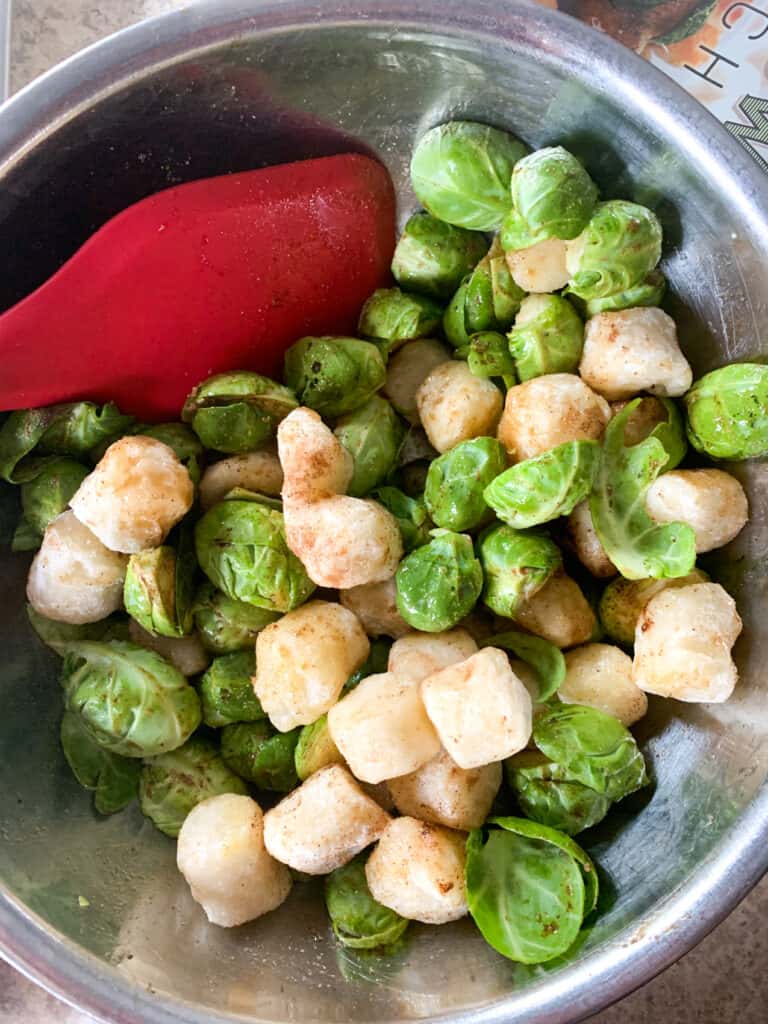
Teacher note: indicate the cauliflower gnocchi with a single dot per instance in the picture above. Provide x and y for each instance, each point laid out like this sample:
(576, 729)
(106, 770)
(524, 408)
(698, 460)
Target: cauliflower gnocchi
(303, 661)
(408, 368)
(586, 545)
(73, 577)
(600, 676)
(324, 823)
(222, 855)
(441, 793)
(418, 655)
(683, 644)
(454, 405)
(382, 729)
(558, 612)
(709, 500)
(255, 471)
(547, 411)
(314, 463)
(482, 712)
(135, 495)
(417, 870)
(540, 267)
(375, 606)
(634, 350)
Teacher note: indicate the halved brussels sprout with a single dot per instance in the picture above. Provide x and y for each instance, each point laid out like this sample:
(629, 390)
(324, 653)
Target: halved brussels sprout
(649, 292)
(552, 197)
(130, 700)
(545, 487)
(548, 337)
(261, 755)
(391, 316)
(489, 356)
(461, 171)
(727, 412)
(226, 691)
(334, 375)
(486, 300)
(159, 587)
(432, 257)
(234, 412)
(45, 495)
(547, 793)
(226, 625)
(315, 749)
(373, 436)
(173, 783)
(358, 920)
(113, 779)
(616, 251)
(411, 515)
(241, 548)
(72, 428)
(456, 482)
(515, 566)
(439, 583)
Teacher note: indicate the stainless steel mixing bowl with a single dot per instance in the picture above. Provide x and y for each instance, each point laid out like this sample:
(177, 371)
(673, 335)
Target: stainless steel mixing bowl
(93, 908)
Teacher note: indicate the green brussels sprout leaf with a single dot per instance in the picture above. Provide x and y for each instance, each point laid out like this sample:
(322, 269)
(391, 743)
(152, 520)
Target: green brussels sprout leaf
(373, 436)
(25, 537)
(258, 753)
(130, 700)
(358, 920)
(226, 625)
(548, 337)
(226, 690)
(727, 412)
(334, 375)
(461, 172)
(649, 292)
(173, 784)
(544, 658)
(549, 795)
(235, 412)
(393, 316)
(159, 587)
(432, 257)
(113, 779)
(439, 583)
(637, 546)
(411, 515)
(489, 356)
(315, 749)
(545, 487)
(48, 493)
(241, 548)
(516, 565)
(58, 635)
(456, 482)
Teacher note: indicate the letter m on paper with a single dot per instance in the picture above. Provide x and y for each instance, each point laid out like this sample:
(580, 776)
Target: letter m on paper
(755, 133)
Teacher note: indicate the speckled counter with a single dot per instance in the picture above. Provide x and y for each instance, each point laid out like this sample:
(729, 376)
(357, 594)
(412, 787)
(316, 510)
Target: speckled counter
(723, 981)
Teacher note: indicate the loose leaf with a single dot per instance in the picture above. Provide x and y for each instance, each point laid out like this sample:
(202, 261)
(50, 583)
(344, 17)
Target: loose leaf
(545, 659)
(358, 920)
(548, 794)
(114, 779)
(637, 546)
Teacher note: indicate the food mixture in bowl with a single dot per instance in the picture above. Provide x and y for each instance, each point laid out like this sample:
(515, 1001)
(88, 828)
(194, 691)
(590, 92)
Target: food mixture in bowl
(390, 620)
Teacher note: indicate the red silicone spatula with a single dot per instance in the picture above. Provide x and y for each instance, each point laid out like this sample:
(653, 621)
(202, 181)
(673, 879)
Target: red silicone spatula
(219, 274)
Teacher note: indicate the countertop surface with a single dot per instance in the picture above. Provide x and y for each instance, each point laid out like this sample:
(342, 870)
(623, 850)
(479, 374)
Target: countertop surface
(722, 981)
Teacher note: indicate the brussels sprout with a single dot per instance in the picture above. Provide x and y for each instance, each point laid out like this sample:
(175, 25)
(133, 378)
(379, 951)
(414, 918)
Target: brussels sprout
(172, 784)
(47, 495)
(432, 257)
(529, 888)
(261, 755)
(159, 587)
(241, 548)
(57, 635)
(544, 658)
(374, 664)
(545, 487)
(226, 691)
(623, 601)
(489, 356)
(25, 537)
(373, 435)
(727, 412)
(659, 418)
(358, 920)
(461, 171)
(439, 583)
(226, 625)
(486, 300)
(130, 700)
(649, 292)
(234, 412)
(548, 337)
(69, 429)
(315, 749)
(515, 566)
(594, 748)
(411, 515)
(114, 779)
(391, 316)
(457, 479)
(615, 252)
(547, 793)
(552, 197)
(334, 375)
(638, 547)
